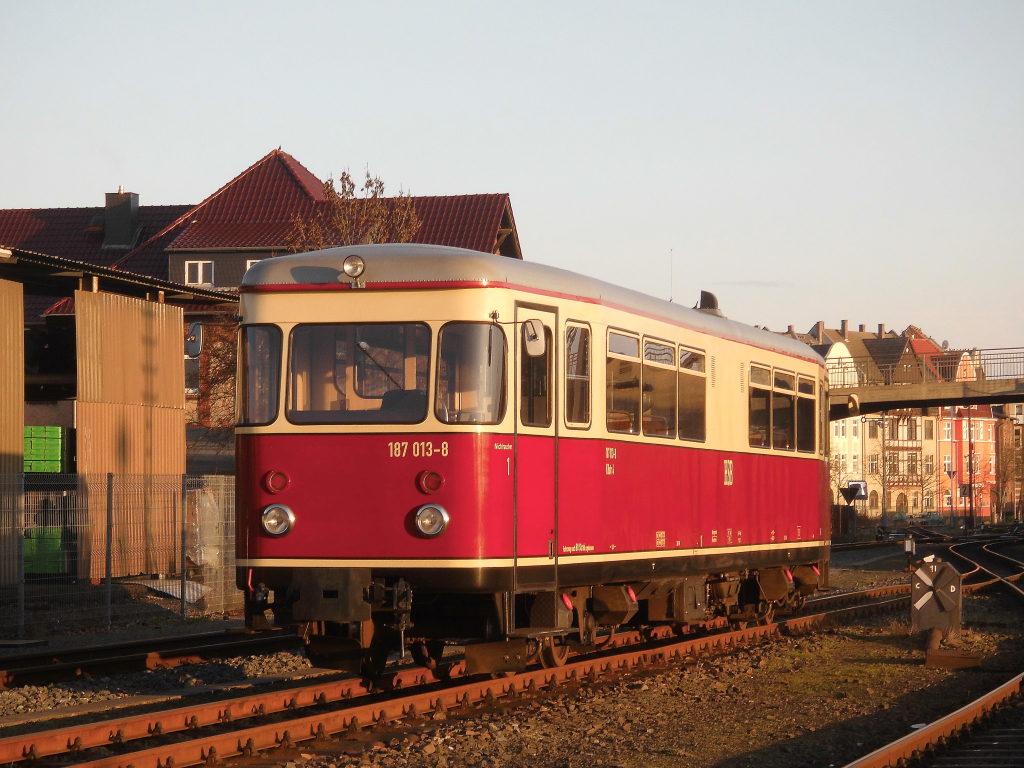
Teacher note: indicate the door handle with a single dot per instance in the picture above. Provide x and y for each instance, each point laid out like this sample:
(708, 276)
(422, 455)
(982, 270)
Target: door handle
(551, 549)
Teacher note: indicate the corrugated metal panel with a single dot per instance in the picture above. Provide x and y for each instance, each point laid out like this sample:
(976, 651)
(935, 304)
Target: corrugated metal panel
(138, 440)
(12, 377)
(130, 439)
(12, 421)
(129, 351)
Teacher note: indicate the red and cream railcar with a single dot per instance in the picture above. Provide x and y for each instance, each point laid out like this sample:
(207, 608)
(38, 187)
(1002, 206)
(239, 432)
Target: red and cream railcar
(437, 443)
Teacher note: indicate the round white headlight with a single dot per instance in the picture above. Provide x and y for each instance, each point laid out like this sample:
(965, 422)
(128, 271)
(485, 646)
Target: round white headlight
(354, 266)
(431, 520)
(278, 520)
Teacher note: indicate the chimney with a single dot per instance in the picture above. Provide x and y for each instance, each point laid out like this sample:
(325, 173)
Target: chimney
(791, 331)
(881, 330)
(121, 219)
(819, 331)
(844, 329)
(863, 327)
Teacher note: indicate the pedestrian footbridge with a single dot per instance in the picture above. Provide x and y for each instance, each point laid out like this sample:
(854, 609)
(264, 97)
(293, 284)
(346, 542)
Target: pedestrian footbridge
(925, 380)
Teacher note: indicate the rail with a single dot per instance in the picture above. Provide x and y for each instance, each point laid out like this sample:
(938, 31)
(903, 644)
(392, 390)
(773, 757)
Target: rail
(249, 723)
(928, 368)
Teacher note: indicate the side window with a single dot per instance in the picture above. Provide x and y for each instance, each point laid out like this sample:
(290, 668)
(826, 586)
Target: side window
(659, 389)
(784, 411)
(622, 381)
(692, 395)
(535, 383)
(577, 376)
(806, 416)
(760, 406)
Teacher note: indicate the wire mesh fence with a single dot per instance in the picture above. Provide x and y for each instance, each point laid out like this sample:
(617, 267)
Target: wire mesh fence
(99, 550)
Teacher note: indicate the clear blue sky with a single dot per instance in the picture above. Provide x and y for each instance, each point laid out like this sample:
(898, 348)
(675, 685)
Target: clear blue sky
(804, 161)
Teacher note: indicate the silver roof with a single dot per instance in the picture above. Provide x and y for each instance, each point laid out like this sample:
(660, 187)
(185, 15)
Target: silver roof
(410, 262)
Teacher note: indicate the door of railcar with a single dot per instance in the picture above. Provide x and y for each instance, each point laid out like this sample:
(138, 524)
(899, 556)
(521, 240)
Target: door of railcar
(536, 451)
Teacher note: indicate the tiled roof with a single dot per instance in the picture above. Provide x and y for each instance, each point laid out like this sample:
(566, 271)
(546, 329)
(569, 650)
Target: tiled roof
(461, 221)
(64, 231)
(250, 205)
(65, 306)
(253, 210)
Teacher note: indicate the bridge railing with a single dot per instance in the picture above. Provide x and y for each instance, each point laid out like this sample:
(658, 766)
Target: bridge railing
(928, 368)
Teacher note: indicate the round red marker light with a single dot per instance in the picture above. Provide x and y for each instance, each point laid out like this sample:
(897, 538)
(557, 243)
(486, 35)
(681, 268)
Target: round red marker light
(631, 593)
(275, 481)
(789, 576)
(567, 600)
(430, 482)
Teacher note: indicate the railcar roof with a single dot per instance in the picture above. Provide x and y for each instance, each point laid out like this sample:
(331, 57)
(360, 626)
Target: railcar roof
(415, 263)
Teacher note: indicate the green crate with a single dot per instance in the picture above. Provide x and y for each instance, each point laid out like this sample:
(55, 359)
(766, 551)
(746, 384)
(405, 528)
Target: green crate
(52, 432)
(44, 466)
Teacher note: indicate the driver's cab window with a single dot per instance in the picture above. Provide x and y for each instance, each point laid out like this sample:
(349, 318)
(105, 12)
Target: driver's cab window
(470, 374)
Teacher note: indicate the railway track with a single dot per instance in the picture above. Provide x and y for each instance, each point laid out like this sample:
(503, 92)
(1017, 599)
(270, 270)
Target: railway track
(989, 731)
(205, 732)
(55, 666)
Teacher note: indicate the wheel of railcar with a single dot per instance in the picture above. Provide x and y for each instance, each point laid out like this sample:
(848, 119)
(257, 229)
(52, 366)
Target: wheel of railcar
(553, 652)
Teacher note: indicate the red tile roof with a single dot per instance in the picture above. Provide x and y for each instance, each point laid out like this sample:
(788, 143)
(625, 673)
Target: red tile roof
(253, 210)
(64, 231)
(462, 221)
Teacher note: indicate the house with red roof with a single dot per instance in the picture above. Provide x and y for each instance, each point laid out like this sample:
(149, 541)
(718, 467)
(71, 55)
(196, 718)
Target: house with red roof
(212, 243)
(247, 219)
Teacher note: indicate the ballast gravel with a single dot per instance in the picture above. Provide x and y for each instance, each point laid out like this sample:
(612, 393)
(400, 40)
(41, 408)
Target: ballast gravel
(30, 698)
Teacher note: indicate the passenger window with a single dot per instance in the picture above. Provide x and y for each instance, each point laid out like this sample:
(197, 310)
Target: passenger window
(806, 416)
(784, 412)
(470, 374)
(577, 375)
(760, 406)
(535, 383)
(659, 389)
(692, 395)
(622, 377)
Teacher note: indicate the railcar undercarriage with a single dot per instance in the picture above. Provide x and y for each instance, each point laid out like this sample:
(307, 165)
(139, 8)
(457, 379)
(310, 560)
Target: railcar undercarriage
(354, 627)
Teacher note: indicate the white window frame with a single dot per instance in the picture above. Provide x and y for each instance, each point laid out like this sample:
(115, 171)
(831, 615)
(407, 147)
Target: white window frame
(199, 266)
(250, 262)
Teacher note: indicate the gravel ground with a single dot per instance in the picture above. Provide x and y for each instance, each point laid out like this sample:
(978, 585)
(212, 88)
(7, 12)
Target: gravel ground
(30, 698)
(861, 569)
(819, 700)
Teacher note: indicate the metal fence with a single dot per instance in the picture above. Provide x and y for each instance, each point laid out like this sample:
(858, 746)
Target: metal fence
(95, 550)
(928, 367)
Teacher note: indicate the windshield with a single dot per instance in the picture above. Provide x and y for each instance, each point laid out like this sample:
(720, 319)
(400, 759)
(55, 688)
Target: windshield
(358, 373)
(470, 374)
(259, 373)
